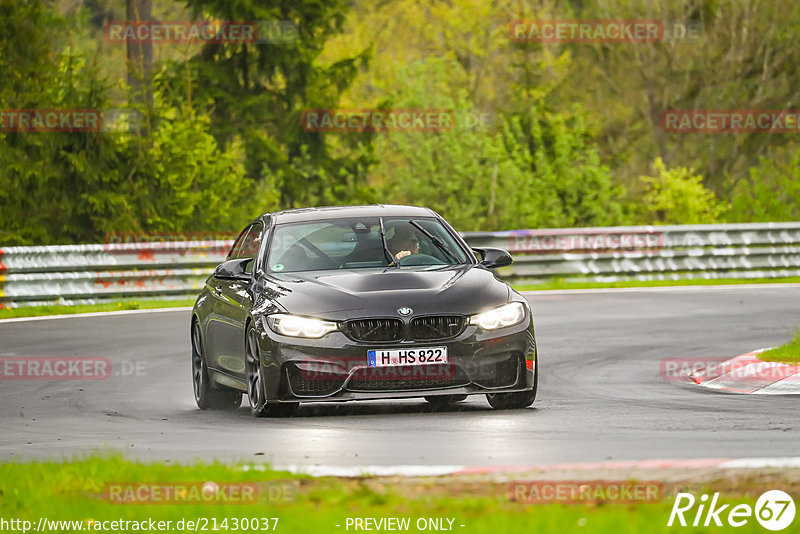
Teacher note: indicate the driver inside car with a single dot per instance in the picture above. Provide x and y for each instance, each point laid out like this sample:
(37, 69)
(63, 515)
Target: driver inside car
(404, 243)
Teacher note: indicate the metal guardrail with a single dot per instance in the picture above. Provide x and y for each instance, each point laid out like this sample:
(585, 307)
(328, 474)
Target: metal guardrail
(85, 274)
(91, 273)
(610, 254)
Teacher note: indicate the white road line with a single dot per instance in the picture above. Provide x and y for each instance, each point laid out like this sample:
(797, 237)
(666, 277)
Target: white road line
(439, 470)
(760, 463)
(371, 470)
(94, 314)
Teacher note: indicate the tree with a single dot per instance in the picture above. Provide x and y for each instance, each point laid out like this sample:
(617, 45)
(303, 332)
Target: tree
(257, 93)
(771, 191)
(67, 187)
(677, 196)
(528, 170)
(140, 54)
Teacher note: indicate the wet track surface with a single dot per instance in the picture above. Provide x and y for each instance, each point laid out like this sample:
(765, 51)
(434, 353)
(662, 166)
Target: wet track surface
(601, 395)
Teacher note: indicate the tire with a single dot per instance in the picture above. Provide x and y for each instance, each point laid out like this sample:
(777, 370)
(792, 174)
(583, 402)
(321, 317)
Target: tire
(517, 400)
(440, 401)
(256, 394)
(206, 397)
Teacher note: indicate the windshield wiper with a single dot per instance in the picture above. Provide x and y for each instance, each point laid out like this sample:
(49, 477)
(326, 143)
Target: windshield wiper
(436, 241)
(386, 246)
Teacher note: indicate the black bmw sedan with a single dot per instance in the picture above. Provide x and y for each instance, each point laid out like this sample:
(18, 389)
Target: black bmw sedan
(359, 302)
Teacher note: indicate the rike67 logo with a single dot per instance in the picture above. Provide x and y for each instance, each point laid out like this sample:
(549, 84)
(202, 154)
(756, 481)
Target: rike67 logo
(774, 510)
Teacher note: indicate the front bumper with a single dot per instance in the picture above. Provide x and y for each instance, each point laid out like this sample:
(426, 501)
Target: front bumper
(334, 368)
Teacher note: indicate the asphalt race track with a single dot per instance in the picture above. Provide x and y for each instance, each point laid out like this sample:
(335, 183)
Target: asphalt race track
(601, 396)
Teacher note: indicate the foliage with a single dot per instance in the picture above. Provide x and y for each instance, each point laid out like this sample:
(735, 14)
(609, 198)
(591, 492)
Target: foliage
(257, 92)
(677, 196)
(571, 126)
(771, 192)
(45, 178)
(531, 169)
(63, 187)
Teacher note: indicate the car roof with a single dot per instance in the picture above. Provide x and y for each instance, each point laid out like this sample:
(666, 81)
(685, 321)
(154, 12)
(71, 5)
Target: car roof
(342, 212)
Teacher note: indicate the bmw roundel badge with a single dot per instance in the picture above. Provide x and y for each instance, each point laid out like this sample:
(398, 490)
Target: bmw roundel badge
(404, 310)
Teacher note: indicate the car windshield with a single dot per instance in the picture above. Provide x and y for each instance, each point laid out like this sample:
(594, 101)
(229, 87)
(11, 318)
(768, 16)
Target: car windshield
(357, 244)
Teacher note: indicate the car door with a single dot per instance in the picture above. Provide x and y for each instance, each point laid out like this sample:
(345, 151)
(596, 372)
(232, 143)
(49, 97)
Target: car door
(213, 329)
(233, 301)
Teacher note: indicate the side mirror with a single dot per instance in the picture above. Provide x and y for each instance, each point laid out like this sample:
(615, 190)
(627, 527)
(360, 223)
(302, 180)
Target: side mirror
(494, 257)
(233, 270)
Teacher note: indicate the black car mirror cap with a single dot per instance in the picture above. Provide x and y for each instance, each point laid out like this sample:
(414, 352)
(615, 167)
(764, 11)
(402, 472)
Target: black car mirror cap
(493, 258)
(233, 270)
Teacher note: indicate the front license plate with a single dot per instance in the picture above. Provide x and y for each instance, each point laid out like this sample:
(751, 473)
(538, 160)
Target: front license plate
(417, 356)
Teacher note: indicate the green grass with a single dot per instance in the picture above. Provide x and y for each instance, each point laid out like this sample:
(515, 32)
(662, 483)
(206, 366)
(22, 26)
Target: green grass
(787, 353)
(129, 304)
(555, 283)
(559, 283)
(74, 491)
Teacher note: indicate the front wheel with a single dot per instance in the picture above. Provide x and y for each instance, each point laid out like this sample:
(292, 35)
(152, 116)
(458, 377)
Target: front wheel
(517, 400)
(259, 406)
(206, 397)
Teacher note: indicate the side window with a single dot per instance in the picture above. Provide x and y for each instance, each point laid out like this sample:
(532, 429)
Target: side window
(250, 245)
(237, 245)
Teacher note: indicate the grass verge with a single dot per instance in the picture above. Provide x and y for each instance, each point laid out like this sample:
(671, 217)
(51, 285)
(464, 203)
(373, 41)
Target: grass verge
(563, 284)
(119, 305)
(143, 304)
(787, 353)
(79, 491)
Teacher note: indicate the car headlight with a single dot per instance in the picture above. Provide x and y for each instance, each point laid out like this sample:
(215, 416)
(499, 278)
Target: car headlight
(296, 326)
(507, 315)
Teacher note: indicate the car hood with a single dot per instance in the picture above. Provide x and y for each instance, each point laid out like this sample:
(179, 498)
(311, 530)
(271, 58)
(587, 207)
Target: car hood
(341, 295)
